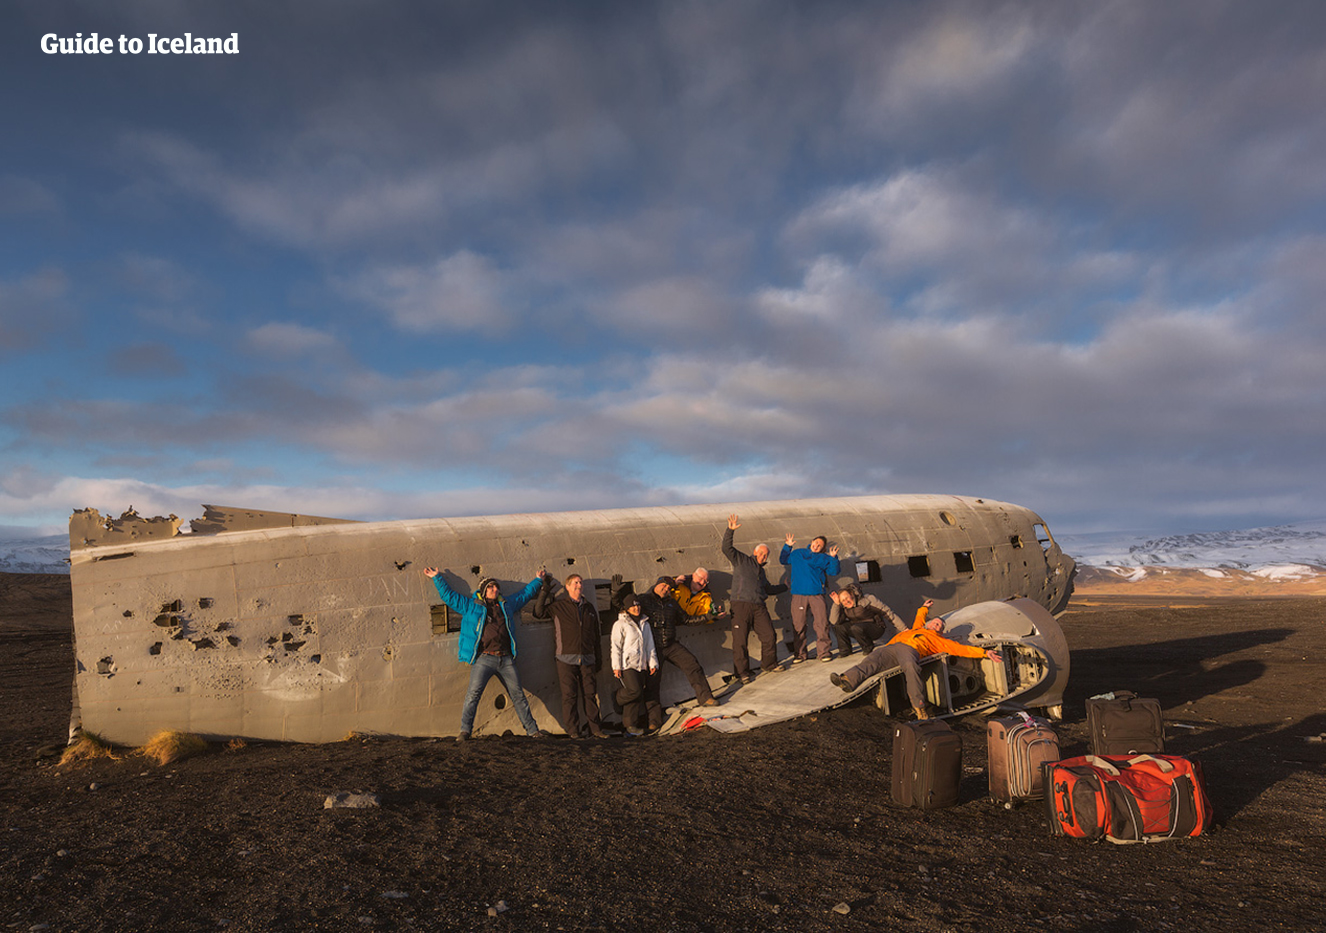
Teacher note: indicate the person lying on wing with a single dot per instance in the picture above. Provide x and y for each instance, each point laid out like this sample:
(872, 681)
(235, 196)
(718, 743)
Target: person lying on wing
(905, 650)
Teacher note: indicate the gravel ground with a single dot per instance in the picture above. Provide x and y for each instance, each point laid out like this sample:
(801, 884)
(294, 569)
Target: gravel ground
(787, 827)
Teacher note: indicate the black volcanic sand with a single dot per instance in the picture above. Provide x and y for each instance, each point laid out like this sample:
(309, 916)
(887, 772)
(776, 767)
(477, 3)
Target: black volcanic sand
(700, 832)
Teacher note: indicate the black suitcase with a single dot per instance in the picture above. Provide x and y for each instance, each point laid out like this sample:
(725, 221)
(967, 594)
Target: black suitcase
(927, 764)
(1125, 724)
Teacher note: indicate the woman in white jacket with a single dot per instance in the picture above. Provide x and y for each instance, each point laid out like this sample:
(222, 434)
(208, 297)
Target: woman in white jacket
(635, 665)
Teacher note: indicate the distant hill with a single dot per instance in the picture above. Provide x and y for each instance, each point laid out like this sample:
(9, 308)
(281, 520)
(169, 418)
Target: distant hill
(1288, 560)
(47, 554)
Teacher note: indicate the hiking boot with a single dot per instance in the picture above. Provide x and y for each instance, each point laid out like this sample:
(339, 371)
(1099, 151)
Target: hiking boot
(709, 702)
(838, 680)
(463, 737)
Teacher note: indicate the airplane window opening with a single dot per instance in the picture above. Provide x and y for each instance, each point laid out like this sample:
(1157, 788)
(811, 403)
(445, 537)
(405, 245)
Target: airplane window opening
(570, 561)
(964, 562)
(947, 518)
(1016, 541)
(476, 570)
(1043, 537)
(442, 622)
(867, 571)
(499, 701)
(919, 565)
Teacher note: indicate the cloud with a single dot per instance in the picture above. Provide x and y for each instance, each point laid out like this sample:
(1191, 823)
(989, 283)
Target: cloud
(463, 291)
(284, 340)
(21, 196)
(33, 309)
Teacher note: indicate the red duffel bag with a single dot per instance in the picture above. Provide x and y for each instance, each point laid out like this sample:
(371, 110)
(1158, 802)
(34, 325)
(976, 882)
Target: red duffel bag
(1143, 798)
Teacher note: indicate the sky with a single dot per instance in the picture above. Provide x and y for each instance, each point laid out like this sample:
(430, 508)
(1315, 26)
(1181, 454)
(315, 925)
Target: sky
(406, 260)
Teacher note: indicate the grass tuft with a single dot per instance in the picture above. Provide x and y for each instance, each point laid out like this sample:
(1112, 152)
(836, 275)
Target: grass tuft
(86, 747)
(168, 745)
(236, 744)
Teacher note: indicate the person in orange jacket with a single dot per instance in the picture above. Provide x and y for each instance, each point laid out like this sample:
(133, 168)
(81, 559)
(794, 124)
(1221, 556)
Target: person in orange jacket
(905, 650)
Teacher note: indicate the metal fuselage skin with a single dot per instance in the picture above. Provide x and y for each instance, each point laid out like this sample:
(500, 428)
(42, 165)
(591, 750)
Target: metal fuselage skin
(310, 631)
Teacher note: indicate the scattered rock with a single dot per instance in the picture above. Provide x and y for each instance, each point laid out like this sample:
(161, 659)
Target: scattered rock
(498, 908)
(395, 895)
(93, 786)
(346, 800)
(844, 908)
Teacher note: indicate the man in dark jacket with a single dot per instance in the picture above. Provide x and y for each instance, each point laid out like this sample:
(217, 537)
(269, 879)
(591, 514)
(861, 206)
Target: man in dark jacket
(859, 616)
(577, 648)
(665, 614)
(750, 587)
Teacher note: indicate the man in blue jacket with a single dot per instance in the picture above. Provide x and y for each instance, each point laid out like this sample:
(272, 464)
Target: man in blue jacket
(488, 644)
(811, 568)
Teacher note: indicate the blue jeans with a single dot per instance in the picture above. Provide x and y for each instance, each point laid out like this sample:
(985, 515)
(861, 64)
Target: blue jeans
(484, 667)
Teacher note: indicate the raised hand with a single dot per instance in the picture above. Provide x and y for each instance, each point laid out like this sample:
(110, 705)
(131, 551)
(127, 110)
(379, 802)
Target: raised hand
(833, 551)
(790, 539)
(732, 521)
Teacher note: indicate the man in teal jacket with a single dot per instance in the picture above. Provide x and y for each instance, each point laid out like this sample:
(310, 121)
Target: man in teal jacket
(811, 568)
(488, 644)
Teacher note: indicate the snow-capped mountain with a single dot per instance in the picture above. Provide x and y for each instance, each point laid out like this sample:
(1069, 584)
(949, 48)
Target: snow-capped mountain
(1253, 549)
(46, 554)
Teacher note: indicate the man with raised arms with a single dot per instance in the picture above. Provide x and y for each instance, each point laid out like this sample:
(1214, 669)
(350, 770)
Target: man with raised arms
(488, 644)
(811, 569)
(750, 589)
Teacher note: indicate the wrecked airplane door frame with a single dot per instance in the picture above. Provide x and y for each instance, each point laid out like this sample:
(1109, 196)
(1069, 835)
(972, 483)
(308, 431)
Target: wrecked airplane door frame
(275, 626)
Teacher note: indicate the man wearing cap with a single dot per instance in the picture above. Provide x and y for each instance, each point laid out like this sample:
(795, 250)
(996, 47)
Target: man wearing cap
(750, 612)
(488, 644)
(664, 616)
(577, 648)
(905, 650)
(859, 616)
(811, 569)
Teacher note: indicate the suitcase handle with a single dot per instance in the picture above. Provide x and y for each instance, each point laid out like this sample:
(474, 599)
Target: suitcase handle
(1065, 809)
(1165, 766)
(1105, 765)
(1112, 769)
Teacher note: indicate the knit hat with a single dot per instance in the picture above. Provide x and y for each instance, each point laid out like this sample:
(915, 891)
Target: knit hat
(484, 584)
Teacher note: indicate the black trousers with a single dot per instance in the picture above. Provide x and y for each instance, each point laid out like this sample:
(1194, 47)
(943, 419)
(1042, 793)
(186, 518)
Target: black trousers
(745, 617)
(864, 632)
(638, 696)
(690, 666)
(579, 683)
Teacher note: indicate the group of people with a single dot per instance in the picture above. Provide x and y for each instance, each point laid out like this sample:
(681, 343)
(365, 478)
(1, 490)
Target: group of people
(644, 634)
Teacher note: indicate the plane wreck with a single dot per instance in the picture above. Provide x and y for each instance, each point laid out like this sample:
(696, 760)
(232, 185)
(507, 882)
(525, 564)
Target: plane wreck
(267, 625)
